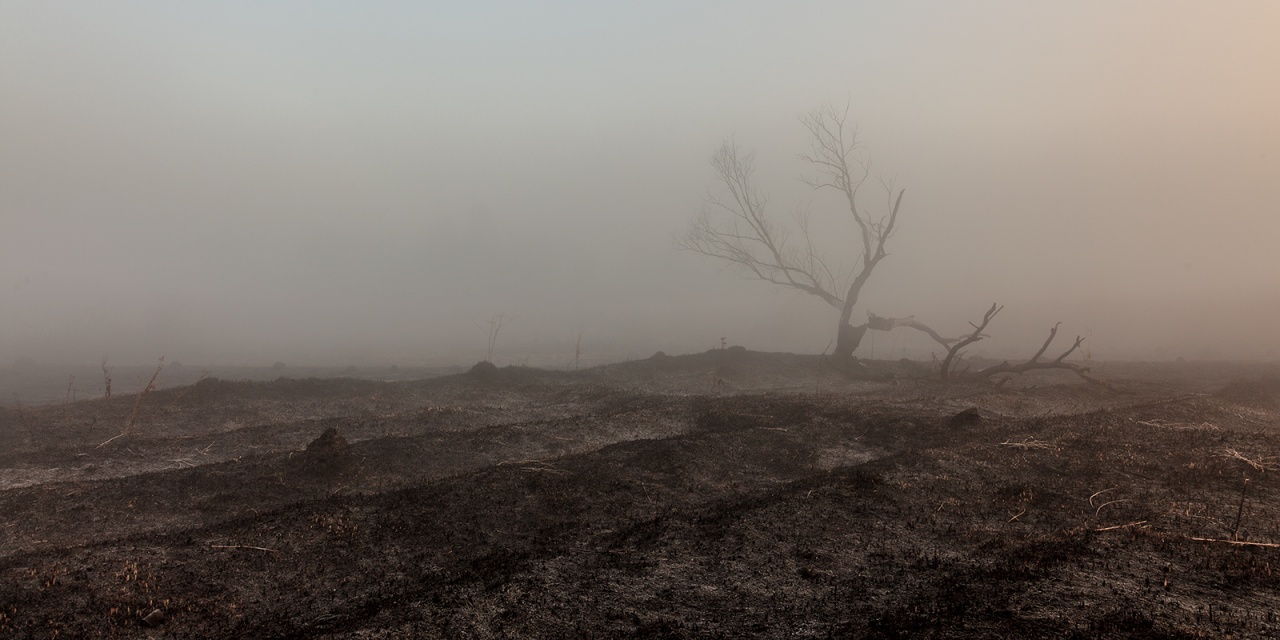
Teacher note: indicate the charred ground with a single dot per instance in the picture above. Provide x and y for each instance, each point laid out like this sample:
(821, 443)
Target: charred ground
(724, 494)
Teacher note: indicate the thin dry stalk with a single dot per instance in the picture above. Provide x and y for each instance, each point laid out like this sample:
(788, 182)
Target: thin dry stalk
(1099, 509)
(1029, 443)
(1121, 526)
(108, 441)
(137, 404)
(242, 546)
(1235, 531)
(1179, 426)
(577, 348)
(1240, 543)
(1100, 493)
(545, 467)
(551, 470)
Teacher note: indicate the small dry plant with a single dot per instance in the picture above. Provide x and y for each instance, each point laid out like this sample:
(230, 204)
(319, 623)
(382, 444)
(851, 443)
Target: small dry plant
(577, 347)
(1261, 464)
(137, 403)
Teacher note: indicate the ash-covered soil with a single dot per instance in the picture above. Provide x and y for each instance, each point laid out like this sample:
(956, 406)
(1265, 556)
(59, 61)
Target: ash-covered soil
(726, 494)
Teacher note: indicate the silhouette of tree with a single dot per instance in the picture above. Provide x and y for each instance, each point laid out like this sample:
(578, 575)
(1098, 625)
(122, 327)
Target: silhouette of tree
(738, 228)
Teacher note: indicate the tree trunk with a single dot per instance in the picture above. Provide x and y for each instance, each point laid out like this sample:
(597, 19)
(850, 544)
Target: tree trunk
(848, 338)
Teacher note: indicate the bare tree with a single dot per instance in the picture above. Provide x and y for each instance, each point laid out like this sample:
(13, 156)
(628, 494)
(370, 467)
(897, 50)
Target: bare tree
(577, 345)
(491, 329)
(739, 229)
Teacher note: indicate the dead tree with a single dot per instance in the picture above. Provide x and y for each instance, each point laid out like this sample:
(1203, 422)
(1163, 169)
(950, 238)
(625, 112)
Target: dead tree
(954, 356)
(739, 230)
(491, 330)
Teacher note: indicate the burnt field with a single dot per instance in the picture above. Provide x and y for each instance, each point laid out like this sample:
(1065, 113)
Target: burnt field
(727, 494)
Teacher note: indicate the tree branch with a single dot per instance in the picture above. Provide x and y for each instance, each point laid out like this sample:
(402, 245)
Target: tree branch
(1034, 364)
(954, 350)
(880, 323)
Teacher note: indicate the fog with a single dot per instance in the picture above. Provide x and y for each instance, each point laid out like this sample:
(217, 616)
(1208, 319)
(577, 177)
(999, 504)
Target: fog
(342, 183)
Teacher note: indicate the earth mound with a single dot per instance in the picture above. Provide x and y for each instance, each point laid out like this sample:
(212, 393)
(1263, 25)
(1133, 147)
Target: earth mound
(968, 418)
(327, 453)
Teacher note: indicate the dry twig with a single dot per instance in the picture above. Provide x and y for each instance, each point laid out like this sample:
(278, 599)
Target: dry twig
(1121, 526)
(1029, 443)
(1240, 543)
(242, 546)
(137, 404)
(118, 435)
(1100, 493)
(1260, 463)
(1099, 509)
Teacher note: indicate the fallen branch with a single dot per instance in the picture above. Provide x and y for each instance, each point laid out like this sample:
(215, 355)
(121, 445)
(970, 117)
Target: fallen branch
(1261, 463)
(1120, 526)
(1240, 543)
(1004, 368)
(1035, 364)
(880, 323)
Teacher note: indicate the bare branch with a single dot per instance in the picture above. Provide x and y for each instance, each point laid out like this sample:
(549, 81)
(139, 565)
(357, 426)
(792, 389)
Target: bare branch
(880, 323)
(977, 335)
(1034, 363)
(749, 240)
(1052, 332)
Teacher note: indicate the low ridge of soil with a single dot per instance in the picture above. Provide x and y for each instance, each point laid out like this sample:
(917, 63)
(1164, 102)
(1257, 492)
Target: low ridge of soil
(725, 494)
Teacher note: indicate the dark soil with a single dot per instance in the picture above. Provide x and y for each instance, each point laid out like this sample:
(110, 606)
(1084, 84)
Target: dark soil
(725, 494)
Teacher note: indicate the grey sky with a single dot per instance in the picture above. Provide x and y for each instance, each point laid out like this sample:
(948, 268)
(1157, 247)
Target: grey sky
(349, 182)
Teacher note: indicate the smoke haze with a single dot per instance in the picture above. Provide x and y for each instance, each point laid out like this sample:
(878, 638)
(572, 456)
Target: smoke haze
(332, 183)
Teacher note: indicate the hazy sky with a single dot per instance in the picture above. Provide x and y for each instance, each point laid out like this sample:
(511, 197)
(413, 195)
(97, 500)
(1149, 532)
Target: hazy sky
(335, 182)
